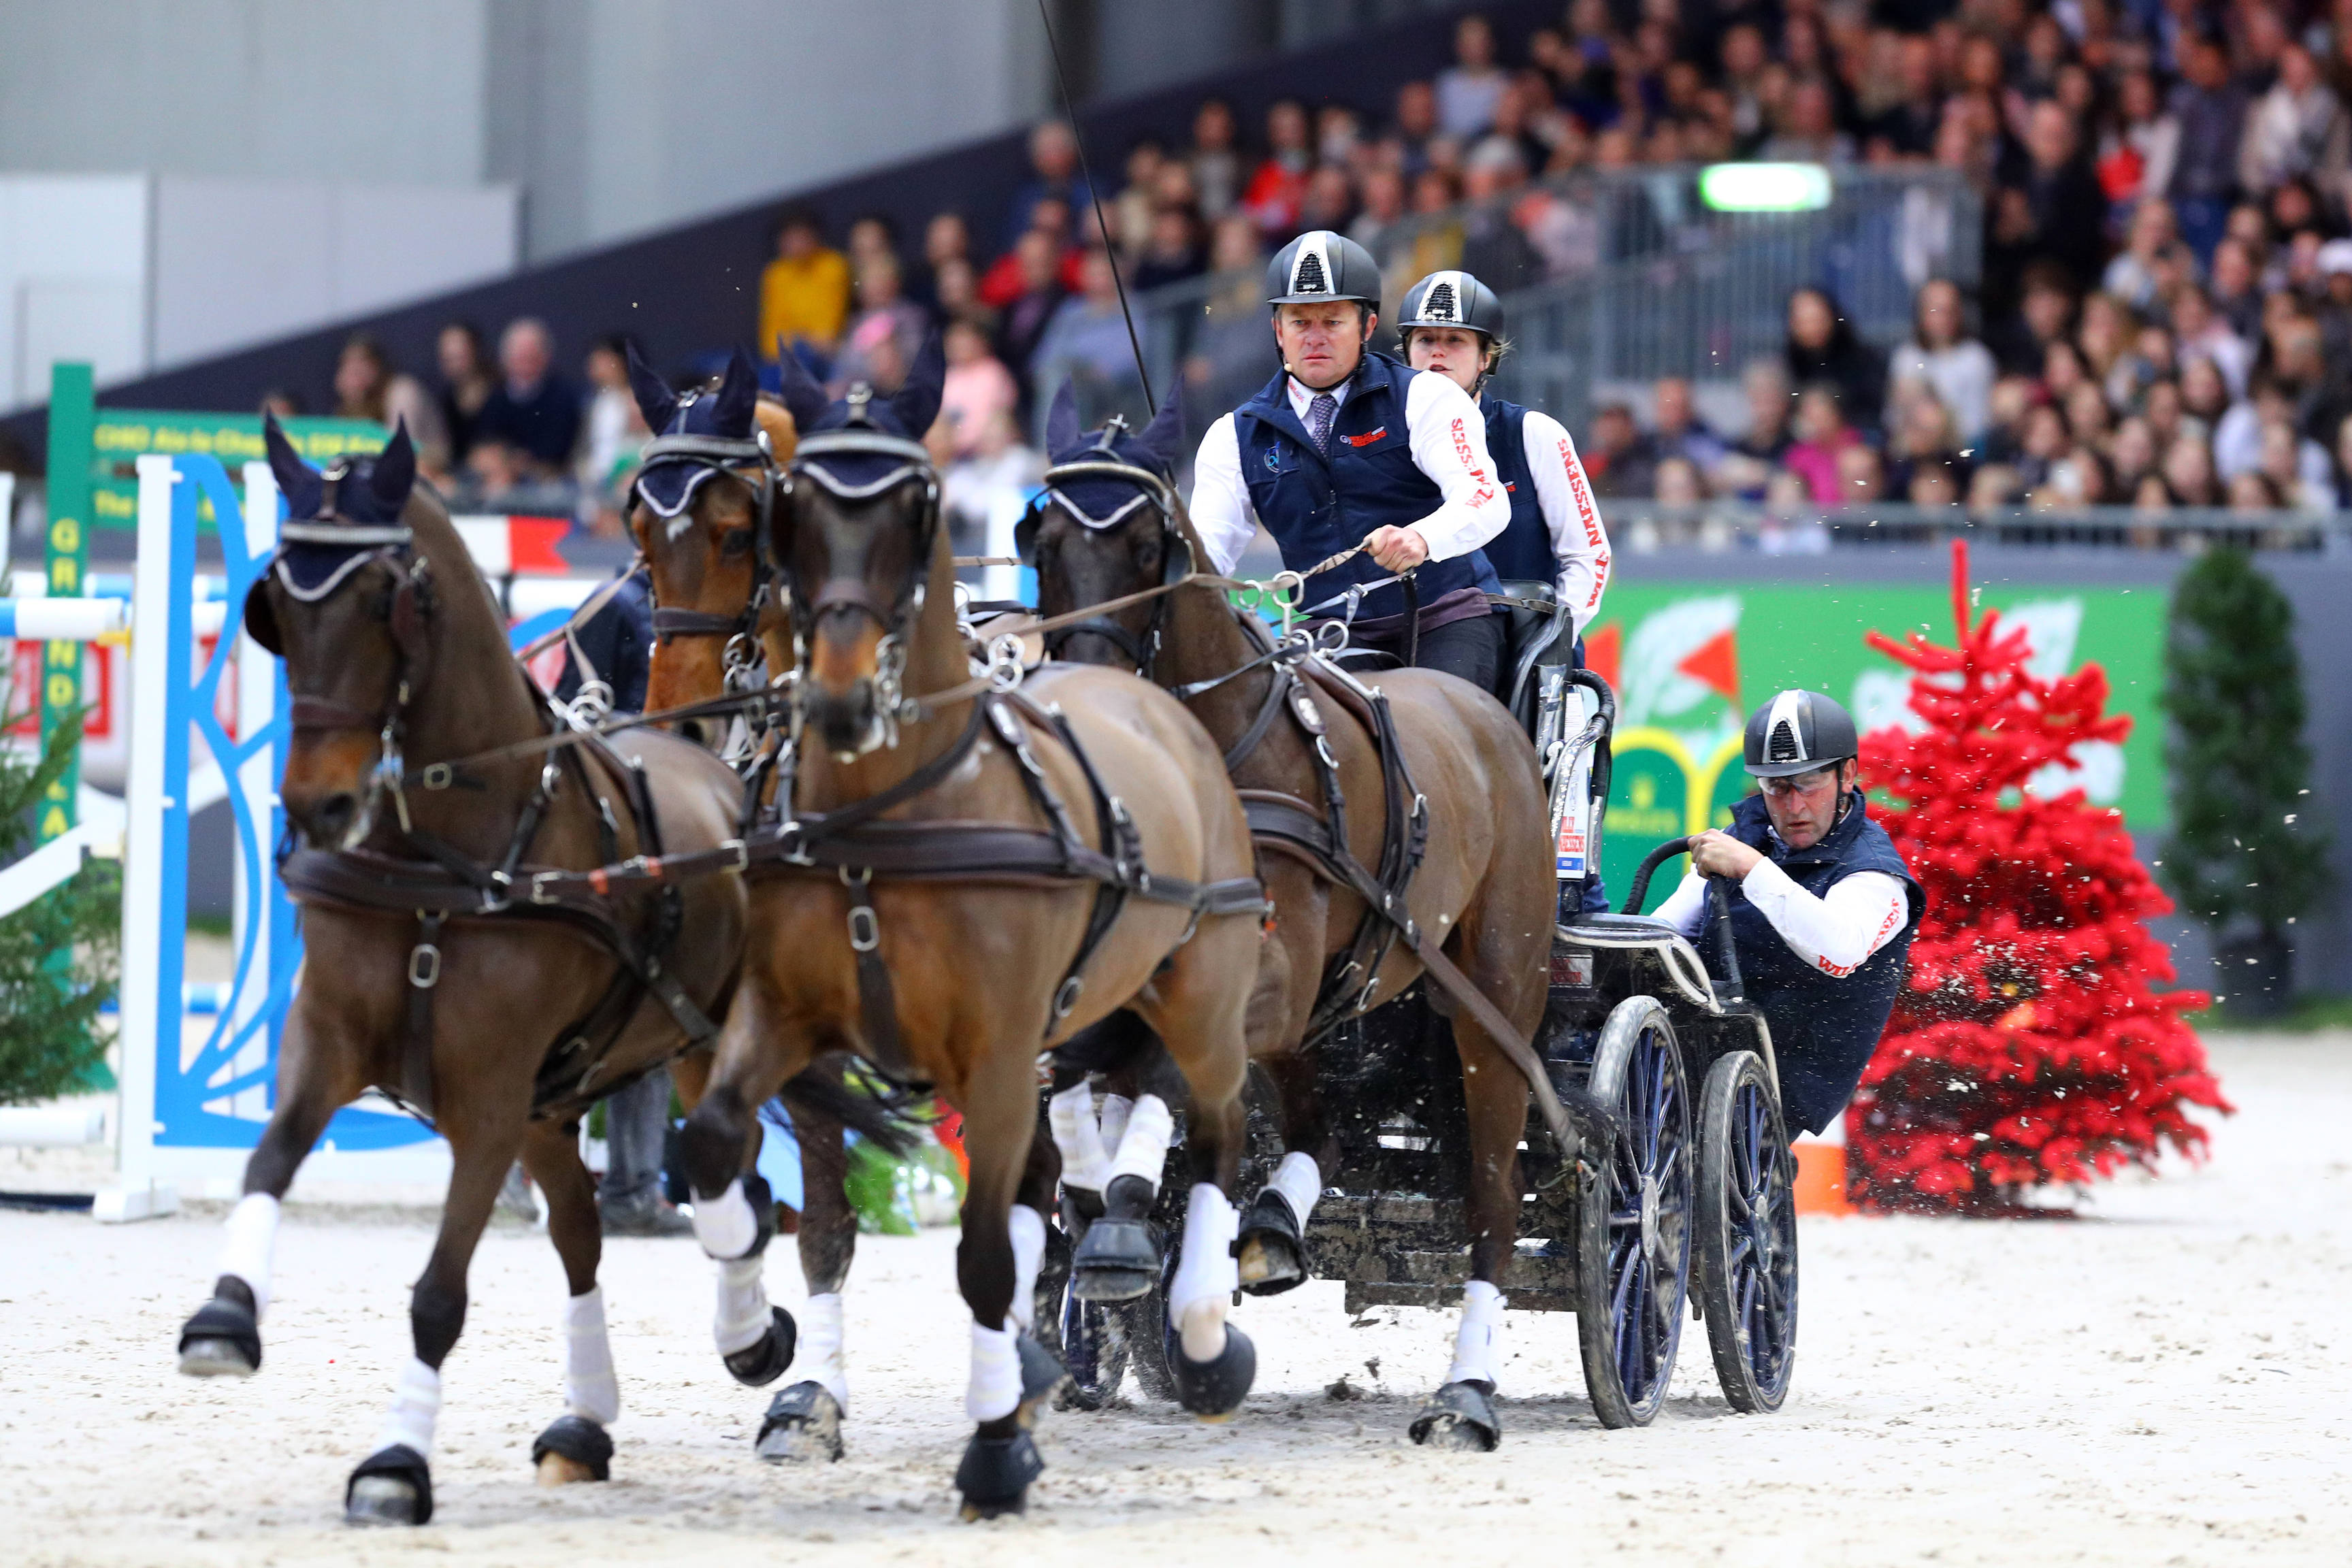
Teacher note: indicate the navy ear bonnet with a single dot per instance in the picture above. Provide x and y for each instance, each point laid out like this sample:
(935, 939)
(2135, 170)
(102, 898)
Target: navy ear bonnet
(667, 484)
(337, 520)
(857, 468)
(1098, 500)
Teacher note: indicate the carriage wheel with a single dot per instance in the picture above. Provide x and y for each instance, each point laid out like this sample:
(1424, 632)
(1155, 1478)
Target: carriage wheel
(1746, 1234)
(1633, 1263)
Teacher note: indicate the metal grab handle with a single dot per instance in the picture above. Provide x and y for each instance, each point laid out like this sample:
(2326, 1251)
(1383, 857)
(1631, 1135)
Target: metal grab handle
(1718, 895)
(1650, 864)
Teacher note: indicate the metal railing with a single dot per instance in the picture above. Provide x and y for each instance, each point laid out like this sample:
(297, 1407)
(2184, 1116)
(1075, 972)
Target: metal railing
(1639, 527)
(1608, 277)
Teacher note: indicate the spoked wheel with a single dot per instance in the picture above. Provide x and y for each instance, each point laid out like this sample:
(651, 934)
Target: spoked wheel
(1634, 1241)
(1746, 1234)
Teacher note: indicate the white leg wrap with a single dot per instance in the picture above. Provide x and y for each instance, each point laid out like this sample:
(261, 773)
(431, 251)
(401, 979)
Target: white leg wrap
(1206, 1272)
(1028, 1229)
(742, 1315)
(415, 1406)
(1478, 1342)
(725, 1226)
(1071, 1114)
(247, 1249)
(1116, 1109)
(1143, 1145)
(995, 1388)
(818, 1357)
(1300, 1181)
(589, 1390)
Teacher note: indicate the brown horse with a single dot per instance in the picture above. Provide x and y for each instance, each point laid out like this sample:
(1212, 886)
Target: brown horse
(707, 486)
(1109, 526)
(945, 912)
(433, 961)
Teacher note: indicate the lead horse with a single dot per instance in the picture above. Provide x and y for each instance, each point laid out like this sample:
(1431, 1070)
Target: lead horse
(957, 877)
(1421, 775)
(453, 822)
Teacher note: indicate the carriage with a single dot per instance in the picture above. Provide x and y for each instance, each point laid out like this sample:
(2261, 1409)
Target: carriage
(1695, 1207)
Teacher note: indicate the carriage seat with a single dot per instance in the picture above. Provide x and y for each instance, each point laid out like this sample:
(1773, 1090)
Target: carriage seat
(1536, 631)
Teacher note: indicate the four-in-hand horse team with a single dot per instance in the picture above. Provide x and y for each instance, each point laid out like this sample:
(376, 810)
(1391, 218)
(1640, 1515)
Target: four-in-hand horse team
(1132, 870)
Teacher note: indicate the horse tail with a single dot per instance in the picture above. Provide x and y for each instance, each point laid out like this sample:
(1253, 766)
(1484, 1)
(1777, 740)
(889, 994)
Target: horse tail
(888, 1115)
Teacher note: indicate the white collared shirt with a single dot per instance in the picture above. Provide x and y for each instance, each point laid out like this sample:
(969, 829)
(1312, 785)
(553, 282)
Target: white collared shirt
(1447, 435)
(1579, 542)
(1834, 932)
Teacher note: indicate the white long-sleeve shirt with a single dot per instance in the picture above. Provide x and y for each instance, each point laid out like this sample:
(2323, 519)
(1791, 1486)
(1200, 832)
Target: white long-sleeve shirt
(1836, 933)
(1579, 542)
(1447, 435)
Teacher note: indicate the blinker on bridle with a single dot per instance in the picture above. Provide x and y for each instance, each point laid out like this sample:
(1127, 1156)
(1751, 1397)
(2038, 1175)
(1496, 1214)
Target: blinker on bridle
(716, 455)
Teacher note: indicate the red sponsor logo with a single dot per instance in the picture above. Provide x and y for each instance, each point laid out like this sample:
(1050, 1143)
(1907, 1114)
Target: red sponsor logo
(1366, 440)
(1583, 493)
(1484, 494)
(1885, 929)
(1511, 486)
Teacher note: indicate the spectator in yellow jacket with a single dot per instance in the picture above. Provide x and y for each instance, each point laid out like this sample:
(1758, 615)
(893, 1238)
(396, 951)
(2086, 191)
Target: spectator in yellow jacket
(804, 291)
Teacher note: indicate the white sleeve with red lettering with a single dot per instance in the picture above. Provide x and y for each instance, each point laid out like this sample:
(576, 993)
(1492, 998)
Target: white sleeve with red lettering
(1577, 539)
(1834, 932)
(1448, 437)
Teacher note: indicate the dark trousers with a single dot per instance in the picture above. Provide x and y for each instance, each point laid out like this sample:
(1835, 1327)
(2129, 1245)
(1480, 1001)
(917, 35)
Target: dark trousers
(1471, 649)
(634, 1122)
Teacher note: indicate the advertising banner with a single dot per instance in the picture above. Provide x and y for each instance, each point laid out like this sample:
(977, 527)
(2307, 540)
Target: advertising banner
(1690, 660)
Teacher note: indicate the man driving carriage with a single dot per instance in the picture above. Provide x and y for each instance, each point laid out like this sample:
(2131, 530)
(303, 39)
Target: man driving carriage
(1822, 908)
(1349, 453)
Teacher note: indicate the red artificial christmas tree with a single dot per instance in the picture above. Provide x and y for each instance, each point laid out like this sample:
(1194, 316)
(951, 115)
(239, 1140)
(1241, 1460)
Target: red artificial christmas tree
(2031, 1046)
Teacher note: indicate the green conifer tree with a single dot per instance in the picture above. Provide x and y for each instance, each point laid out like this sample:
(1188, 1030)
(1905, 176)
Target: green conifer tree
(59, 953)
(2247, 855)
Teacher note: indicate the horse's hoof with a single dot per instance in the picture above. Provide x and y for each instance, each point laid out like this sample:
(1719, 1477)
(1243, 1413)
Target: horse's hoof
(1213, 1390)
(1116, 1261)
(803, 1423)
(1459, 1416)
(574, 1448)
(1043, 1378)
(764, 1361)
(392, 1485)
(995, 1474)
(1271, 1251)
(222, 1340)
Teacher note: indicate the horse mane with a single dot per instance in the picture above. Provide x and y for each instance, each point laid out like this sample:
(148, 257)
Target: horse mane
(471, 637)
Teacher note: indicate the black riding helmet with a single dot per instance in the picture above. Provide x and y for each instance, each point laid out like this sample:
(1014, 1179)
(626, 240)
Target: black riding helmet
(1796, 733)
(1322, 265)
(1451, 299)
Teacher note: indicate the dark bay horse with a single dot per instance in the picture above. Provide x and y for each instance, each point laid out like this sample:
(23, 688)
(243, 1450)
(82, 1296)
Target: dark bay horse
(1107, 526)
(437, 968)
(962, 879)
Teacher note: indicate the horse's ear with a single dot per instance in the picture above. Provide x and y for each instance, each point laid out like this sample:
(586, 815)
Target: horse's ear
(1164, 436)
(737, 393)
(1062, 433)
(395, 474)
(802, 392)
(917, 404)
(297, 481)
(656, 400)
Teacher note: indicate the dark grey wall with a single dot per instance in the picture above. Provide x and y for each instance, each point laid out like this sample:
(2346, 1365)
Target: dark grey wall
(2318, 586)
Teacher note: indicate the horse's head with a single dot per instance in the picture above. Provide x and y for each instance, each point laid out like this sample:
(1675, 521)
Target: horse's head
(708, 484)
(854, 542)
(1105, 527)
(347, 602)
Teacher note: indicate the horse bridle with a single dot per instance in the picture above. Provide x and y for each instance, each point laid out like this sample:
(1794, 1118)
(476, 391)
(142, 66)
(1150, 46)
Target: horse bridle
(407, 617)
(909, 459)
(1175, 550)
(723, 455)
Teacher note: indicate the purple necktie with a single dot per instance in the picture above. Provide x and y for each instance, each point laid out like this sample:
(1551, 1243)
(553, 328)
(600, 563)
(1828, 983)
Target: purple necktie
(1320, 415)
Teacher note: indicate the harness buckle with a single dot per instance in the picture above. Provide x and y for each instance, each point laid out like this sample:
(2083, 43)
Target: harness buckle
(437, 775)
(425, 966)
(540, 882)
(742, 855)
(1068, 996)
(788, 841)
(493, 902)
(865, 928)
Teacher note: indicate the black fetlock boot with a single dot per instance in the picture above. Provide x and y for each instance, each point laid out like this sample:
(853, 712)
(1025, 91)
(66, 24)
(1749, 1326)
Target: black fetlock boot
(1459, 1416)
(1213, 1389)
(577, 1439)
(1118, 1258)
(223, 1339)
(391, 1486)
(803, 1421)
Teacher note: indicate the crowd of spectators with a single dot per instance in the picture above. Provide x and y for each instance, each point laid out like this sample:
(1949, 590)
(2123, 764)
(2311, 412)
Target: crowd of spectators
(2164, 316)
